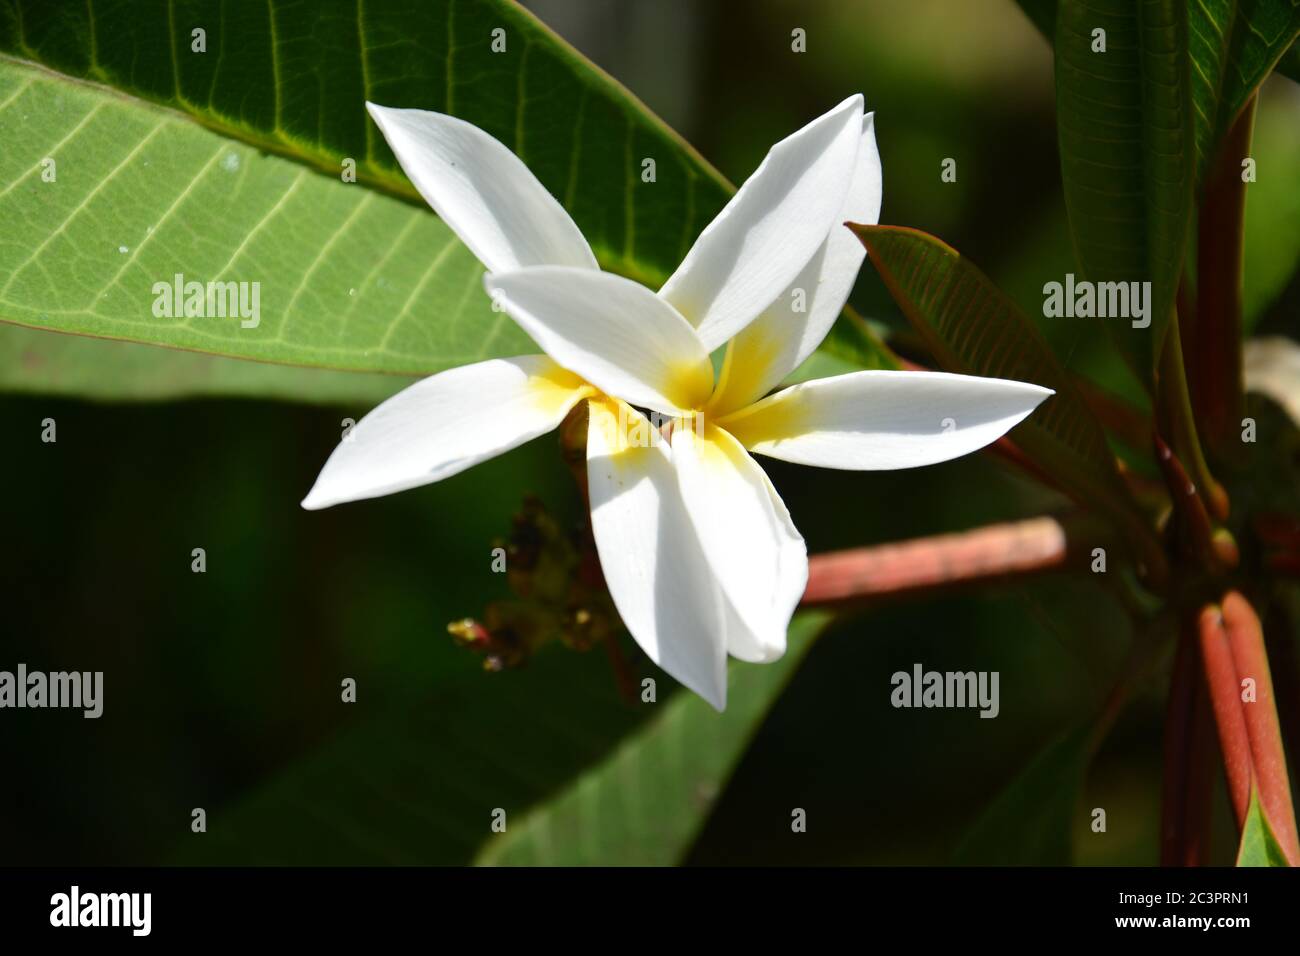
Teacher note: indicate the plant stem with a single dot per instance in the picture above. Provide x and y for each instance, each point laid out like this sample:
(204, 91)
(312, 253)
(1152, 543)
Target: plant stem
(1194, 532)
(1221, 678)
(1178, 424)
(996, 551)
(1246, 641)
(1177, 753)
(1232, 649)
(1188, 777)
(1216, 371)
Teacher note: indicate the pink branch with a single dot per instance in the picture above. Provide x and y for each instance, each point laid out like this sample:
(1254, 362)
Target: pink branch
(997, 551)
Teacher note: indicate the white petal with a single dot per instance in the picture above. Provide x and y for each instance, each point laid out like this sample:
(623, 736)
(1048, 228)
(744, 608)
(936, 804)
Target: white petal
(791, 328)
(650, 555)
(445, 424)
(614, 332)
(759, 559)
(880, 420)
(483, 191)
(770, 228)
(768, 645)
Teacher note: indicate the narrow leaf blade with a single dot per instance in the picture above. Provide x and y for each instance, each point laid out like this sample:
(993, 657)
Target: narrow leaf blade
(647, 802)
(1235, 44)
(1029, 823)
(1125, 123)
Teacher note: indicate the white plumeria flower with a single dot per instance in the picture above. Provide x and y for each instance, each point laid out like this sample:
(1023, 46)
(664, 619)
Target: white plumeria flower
(699, 553)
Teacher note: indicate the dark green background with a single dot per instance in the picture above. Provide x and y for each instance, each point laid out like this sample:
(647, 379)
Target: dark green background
(218, 685)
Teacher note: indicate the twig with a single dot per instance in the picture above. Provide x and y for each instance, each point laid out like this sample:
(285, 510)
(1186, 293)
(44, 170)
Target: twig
(1215, 367)
(996, 551)
(1246, 640)
(1221, 678)
(1176, 420)
(1232, 649)
(1185, 802)
(1214, 548)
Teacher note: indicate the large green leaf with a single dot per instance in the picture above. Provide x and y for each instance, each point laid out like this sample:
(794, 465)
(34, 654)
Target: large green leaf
(1030, 822)
(1234, 44)
(971, 327)
(348, 277)
(225, 165)
(420, 784)
(1259, 846)
(1125, 125)
(293, 78)
(238, 178)
(646, 803)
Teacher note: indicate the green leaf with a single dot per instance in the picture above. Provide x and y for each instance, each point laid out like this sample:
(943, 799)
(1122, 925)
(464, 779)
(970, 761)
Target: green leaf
(47, 363)
(1259, 846)
(347, 277)
(1235, 44)
(972, 328)
(293, 79)
(1030, 822)
(225, 165)
(420, 783)
(647, 802)
(1125, 124)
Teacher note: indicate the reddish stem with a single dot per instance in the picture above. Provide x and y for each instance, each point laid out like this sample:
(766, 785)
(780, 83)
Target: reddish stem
(1177, 751)
(1188, 769)
(1200, 778)
(1246, 641)
(1195, 530)
(1232, 649)
(1221, 678)
(1215, 368)
(997, 551)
